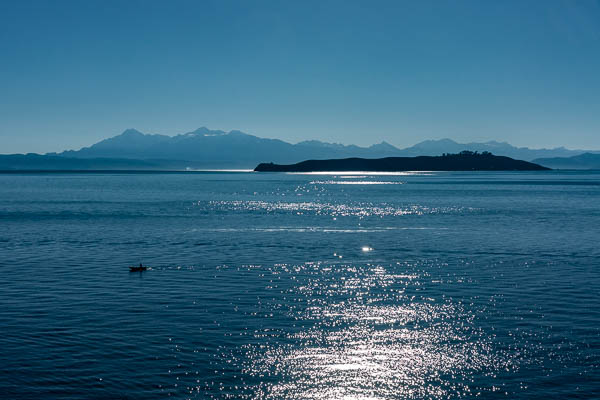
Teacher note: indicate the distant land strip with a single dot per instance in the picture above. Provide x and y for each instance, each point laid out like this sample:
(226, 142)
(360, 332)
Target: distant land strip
(463, 161)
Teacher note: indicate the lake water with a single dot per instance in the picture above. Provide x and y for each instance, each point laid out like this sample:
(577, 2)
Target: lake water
(284, 286)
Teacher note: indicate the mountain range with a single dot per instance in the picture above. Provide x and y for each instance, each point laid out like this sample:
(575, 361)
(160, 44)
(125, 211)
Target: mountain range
(214, 148)
(581, 161)
(206, 148)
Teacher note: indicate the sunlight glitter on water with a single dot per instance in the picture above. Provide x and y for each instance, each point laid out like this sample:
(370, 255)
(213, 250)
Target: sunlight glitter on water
(369, 173)
(371, 340)
(355, 183)
(332, 209)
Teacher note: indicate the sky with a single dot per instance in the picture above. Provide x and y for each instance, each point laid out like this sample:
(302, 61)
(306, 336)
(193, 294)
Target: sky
(75, 72)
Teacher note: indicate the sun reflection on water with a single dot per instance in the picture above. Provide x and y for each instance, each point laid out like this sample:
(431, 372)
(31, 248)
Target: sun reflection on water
(332, 182)
(331, 209)
(366, 173)
(362, 336)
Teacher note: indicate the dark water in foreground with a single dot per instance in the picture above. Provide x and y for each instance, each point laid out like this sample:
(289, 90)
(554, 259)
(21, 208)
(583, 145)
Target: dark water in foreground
(273, 286)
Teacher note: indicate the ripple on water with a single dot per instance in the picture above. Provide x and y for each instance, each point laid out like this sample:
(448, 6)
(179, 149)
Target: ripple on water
(478, 284)
(362, 333)
(332, 209)
(333, 182)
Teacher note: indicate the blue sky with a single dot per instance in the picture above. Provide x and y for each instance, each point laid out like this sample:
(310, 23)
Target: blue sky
(526, 72)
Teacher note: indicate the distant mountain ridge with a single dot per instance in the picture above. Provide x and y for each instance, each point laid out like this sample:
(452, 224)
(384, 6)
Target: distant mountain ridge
(218, 148)
(25, 162)
(437, 147)
(581, 161)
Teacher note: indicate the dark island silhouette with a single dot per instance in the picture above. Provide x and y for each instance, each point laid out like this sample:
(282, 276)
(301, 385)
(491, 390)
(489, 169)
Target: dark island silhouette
(463, 161)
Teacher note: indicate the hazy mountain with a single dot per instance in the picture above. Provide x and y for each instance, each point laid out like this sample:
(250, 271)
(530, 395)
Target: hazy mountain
(582, 161)
(47, 162)
(237, 149)
(437, 147)
(221, 149)
(206, 148)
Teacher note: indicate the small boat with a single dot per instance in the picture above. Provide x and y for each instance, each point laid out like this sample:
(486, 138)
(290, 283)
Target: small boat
(140, 268)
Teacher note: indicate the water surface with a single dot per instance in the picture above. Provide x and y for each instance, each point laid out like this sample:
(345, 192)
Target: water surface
(300, 286)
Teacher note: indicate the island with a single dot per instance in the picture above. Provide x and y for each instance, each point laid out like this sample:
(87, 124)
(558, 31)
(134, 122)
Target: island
(463, 161)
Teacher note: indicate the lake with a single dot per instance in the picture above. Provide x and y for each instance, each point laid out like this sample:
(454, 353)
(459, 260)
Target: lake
(300, 286)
